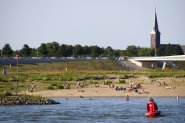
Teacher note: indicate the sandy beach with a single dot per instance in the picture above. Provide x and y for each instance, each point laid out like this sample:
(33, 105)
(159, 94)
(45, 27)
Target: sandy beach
(163, 87)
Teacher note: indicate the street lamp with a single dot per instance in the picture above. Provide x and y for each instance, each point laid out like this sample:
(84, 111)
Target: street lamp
(17, 57)
(155, 51)
(37, 53)
(73, 53)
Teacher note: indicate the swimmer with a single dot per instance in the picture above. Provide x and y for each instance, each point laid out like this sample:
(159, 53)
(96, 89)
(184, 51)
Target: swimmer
(127, 98)
(177, 97)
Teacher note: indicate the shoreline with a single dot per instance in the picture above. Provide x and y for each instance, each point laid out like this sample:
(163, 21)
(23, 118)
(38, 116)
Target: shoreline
(120, 97)
(161, 87)
(104, 91)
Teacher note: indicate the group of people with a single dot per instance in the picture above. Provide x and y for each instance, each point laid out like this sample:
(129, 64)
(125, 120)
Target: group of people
(132, 87)
(79, 84)
(120, 88)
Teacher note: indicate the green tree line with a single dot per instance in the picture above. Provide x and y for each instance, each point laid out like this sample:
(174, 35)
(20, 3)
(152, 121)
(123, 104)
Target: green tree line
(163, 50)
(54, 49)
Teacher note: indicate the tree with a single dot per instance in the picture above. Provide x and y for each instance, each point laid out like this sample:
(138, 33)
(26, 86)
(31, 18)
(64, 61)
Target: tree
(160, 51)
(26, 51)
(52, 49)
(168, 50)
(177, 50)
(78, 50)
(123, 53)
(43, 50)
(7, 50)
(152, 52)
(69, 50)
(1, 52)
(132, 50)
(117, 53)
(95, 51)
(146, 52)
(108, 51)
(62, 51)
(56, 47)
(86, 50)
(34, 52)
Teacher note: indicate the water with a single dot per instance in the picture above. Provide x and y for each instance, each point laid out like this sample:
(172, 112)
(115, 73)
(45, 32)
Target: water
(97, 110)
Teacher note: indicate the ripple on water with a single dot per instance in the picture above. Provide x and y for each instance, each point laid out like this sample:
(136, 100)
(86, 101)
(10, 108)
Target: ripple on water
(77, 110)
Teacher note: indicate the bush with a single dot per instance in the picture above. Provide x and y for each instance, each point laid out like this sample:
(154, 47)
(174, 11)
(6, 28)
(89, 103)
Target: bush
(83, 78)
(50, 87)
(53, 84)
(124, 77)
(156, 75)
(60, 87)
(11, 88)
(151, 76)
(68, 79)
(107, 82)
(179, 76)
(122, 82)
(98, 77)
(7, 93)
(12, 79)
(92, 82)
(46, 78)
(4, 80)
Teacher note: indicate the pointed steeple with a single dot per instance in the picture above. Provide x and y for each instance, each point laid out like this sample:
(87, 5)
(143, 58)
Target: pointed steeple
(155, 34)
(155, 24)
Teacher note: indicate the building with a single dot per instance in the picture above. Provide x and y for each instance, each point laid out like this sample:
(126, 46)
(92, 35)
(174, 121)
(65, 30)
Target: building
(155, 34)
(156, 44)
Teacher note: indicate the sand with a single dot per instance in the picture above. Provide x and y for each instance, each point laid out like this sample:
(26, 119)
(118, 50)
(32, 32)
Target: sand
(157, 88)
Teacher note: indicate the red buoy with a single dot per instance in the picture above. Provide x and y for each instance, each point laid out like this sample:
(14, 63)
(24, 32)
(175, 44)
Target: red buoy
(152, 109)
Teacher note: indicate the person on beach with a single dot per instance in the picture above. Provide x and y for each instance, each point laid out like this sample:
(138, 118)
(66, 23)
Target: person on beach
(4, 71)
(78, 84)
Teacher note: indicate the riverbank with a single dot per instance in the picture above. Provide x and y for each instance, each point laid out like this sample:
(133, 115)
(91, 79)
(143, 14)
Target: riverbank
(158, 88)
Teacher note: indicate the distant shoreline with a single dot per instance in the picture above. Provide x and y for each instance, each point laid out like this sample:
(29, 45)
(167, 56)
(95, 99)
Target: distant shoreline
(120, 97)
(105, 91)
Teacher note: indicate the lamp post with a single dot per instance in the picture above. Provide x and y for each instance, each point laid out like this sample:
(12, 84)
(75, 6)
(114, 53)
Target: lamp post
(17, 57)
(73, 53)
(155, 52)
(37, 53)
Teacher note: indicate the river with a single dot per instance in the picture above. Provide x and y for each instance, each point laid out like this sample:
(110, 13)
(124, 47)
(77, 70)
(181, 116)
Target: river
(96, 110)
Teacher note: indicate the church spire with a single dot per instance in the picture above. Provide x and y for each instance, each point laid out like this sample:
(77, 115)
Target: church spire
(155, 34)
(155, 24)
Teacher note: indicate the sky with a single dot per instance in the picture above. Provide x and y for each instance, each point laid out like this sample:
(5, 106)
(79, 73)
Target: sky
(115, 23)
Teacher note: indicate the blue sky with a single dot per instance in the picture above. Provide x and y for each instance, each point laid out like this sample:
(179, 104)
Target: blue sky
(115, 23)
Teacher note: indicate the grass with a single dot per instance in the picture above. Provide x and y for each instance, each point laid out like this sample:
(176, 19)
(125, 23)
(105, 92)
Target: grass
(122, 82)
(53, 75)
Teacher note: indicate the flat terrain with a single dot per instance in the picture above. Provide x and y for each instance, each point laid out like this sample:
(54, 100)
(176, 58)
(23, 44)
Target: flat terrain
(175, 88)
(96, 76)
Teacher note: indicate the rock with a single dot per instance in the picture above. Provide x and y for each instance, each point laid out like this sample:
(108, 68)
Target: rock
(26, 100)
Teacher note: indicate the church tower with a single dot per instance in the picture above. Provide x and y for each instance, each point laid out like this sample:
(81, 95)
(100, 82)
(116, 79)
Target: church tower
(155, 34)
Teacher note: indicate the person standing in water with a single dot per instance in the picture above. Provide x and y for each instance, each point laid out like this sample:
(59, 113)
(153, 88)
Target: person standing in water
(177, 97)
(127, 98)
